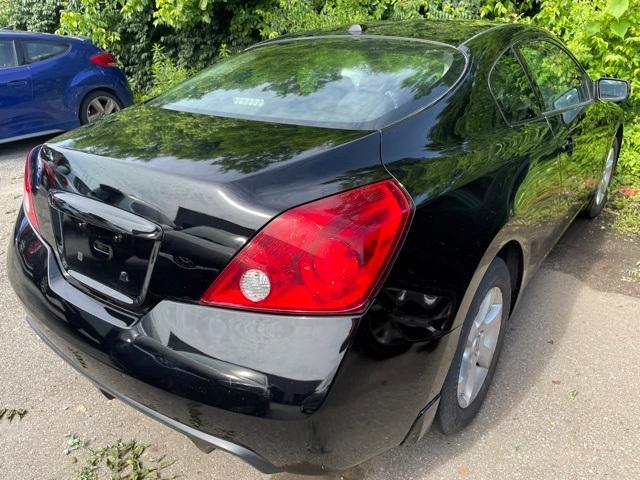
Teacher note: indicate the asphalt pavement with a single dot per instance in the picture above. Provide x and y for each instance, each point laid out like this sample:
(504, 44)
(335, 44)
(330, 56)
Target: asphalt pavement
(565, 403)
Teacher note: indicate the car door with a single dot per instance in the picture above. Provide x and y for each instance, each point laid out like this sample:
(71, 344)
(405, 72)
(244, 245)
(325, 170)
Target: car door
(567, 97)
(16, 97)
(51, 74)
(527, 136)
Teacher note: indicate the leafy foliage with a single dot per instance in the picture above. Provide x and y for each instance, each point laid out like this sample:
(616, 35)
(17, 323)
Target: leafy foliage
(161, 42)
(74, 442)
(123, 461)
(34, 15)
(605, 36)
(625, 209)
(10, 413)
(164, 73)
(5, 13)
(629, 162)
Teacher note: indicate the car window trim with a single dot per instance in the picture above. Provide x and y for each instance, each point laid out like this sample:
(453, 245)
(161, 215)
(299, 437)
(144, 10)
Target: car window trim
(542, 113)
(534, 90)
(15, 51)
(585, 76)
(20, 51)
(48, 42)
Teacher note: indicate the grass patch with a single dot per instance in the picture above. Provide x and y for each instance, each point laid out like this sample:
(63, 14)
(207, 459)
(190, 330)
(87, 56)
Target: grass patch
(119, 461)
(632, 274)
(625, 207)
(10, 413)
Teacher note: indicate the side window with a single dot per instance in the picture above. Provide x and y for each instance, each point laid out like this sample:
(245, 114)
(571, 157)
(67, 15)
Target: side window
(8, 57)
(38, 51)
(561, 82)
(512, 90)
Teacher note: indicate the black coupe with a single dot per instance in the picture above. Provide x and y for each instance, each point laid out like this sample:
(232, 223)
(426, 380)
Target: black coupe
(308, 253)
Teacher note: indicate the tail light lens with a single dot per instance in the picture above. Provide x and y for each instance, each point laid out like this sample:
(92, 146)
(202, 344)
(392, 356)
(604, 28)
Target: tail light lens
(325, 257)
(28, 202)
(104, 59)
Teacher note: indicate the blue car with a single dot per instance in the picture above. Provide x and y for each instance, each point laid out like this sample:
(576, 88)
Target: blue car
(52, 83)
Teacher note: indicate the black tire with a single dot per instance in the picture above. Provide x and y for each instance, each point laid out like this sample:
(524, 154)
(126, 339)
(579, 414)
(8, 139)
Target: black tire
(84, 106)
(594, 208)
(451, 417)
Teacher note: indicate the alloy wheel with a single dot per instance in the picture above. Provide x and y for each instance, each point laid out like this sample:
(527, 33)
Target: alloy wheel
(100, 107)
(480, 347)
(603, 186)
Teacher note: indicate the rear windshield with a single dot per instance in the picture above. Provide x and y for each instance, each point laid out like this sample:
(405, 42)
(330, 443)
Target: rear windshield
(355, 83)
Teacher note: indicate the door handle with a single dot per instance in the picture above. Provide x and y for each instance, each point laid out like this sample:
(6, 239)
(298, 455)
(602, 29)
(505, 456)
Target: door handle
(16, 83)
(567, 146)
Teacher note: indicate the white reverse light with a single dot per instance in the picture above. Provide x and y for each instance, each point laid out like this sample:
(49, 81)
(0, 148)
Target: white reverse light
(255, 285)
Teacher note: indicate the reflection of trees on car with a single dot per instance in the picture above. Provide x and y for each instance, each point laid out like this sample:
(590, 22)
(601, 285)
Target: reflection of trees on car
(560, 82)
(343, 80)
(145, 133)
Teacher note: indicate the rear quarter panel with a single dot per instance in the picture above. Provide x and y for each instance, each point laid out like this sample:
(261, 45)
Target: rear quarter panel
(89, 77)
(477, 184)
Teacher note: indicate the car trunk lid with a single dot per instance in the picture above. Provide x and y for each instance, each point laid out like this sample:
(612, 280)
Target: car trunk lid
(153, 203)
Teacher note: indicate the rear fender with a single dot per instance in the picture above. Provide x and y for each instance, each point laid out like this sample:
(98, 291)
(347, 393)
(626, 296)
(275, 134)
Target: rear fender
(84, 83)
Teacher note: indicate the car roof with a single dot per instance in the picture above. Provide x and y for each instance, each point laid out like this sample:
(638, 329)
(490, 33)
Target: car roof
(454, 32)
(7, 32)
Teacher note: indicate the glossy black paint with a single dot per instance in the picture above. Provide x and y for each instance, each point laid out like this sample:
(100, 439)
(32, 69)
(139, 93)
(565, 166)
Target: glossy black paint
(315, 393)
(210, 182)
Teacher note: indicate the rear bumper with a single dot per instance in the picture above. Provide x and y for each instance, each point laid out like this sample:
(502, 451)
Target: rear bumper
(249, 456)
(283, 393)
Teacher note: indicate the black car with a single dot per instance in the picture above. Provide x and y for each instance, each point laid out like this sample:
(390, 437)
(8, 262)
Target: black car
(308, 253)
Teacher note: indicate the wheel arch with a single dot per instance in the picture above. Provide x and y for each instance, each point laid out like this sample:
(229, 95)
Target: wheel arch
(85, 82)
(513, 256)
(514, 250)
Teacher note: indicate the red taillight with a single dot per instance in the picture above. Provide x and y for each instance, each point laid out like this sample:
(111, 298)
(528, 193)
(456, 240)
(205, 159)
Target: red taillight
(29, 206)
(324, 257)
(104, 59)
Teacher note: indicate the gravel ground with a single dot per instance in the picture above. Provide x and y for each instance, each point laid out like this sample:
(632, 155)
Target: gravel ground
(564, 404)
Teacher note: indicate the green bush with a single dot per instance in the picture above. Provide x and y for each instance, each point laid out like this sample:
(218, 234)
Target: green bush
(159, 42)
(32, 15)
(131, 28)
(290, 15)
(164, 73)
(629, 161)
(5, 14)
(605, 36)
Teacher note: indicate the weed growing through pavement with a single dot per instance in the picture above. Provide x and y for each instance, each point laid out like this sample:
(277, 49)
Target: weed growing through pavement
(632, 274)
(74, 442)
(120, 461)
(10, 413)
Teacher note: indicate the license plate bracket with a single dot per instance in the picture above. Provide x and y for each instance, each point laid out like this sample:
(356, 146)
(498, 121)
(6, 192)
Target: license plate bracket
(98, 252)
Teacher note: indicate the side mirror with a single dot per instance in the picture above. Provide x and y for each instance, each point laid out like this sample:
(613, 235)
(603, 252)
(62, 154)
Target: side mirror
(612, 90)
